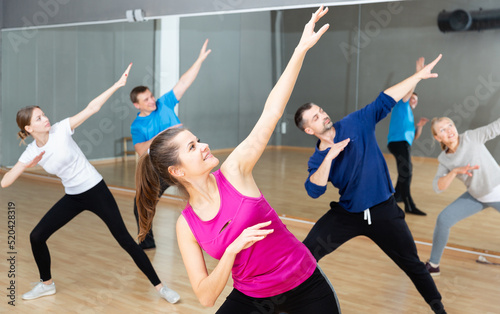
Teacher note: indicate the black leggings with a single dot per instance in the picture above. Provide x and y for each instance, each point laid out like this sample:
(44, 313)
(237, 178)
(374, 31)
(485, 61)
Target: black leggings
(315, 295)
(100, 201)
(388, 230)
(402, 153)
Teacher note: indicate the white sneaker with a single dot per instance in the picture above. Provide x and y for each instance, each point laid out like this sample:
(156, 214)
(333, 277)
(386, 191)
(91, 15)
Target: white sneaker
(40, 290)
(169, 294)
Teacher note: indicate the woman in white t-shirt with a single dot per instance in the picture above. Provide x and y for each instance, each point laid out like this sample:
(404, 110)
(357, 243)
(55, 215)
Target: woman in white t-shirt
(56, 151)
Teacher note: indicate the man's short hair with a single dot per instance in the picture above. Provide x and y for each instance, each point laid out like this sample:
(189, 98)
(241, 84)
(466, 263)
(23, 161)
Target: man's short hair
(299, 121)
(136, 91)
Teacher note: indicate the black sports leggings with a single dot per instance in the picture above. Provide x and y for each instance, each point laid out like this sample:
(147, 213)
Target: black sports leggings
(402, 153)
(315, 295)
(100, 201)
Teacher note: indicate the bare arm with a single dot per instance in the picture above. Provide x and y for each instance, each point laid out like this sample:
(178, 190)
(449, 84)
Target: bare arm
(245, 156)
(419, 66)
(420, 126)
(208, 287)
(398, 91)
(14, 173)
(143, 147)
(96, 104)
(188, 78)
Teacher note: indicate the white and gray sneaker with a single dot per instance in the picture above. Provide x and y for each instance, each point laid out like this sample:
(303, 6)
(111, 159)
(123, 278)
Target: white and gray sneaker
(40, 290)
(169, 294)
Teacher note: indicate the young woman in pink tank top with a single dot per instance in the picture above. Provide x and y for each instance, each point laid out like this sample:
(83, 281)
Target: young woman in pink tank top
(228, 217)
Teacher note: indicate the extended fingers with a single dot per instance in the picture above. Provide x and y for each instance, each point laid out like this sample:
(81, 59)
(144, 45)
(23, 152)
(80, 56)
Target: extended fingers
(128, 69)
(318, 14)
(260, 225)
(433, 63)
(344, 143)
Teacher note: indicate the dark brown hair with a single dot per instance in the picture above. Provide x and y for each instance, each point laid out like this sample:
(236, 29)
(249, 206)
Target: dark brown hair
(23, 118)
(299, 121)
(136, 91)
(163, 153)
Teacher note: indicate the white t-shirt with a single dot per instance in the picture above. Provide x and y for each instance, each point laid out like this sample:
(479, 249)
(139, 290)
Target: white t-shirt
(492, 197)
(64, 159)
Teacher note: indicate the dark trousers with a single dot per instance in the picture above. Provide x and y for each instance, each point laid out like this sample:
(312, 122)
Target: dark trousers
(402, 153)
(315, 295)
(149, 237)
(100, 201)
(388, 230)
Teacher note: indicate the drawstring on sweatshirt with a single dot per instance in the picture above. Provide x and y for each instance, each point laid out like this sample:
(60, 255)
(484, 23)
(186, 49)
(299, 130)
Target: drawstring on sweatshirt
(367, 216)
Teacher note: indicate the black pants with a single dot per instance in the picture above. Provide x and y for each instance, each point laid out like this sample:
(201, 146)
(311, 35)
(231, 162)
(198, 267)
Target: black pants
(315, 295)
(100, 201)
(149, 237)
(388, 230)
(402, 153)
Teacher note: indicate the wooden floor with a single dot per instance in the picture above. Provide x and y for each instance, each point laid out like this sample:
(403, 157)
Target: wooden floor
(94, 275)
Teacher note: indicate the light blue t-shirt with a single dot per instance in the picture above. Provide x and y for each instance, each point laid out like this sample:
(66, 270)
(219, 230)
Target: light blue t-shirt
(145, 128)
(402, 127)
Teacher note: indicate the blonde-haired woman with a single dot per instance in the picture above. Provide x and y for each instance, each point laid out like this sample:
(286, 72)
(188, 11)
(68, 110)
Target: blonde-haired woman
(56, 151)
(466, 158)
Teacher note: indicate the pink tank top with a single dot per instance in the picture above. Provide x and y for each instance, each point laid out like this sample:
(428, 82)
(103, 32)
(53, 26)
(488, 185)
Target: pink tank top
(271, 266)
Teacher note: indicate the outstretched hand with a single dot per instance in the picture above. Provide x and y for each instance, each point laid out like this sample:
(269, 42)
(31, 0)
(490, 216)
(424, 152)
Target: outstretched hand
(249, 236)
(337, 148)
(426, 71)
(35, 160)
(309, 37)
(123, 79)
(423, 121)
(466, 169)
(204, 52)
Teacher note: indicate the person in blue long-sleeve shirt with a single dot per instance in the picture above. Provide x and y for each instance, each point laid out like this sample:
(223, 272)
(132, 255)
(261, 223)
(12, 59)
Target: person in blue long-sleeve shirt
(348, 156)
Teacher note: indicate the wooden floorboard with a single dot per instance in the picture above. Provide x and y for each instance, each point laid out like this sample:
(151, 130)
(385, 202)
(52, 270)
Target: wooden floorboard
(94, 275)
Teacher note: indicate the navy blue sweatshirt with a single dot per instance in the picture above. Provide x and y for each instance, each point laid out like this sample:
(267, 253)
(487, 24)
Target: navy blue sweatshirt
(360, 171)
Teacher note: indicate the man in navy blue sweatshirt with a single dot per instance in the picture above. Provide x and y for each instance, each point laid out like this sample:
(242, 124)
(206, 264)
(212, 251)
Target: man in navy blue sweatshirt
(348, 156)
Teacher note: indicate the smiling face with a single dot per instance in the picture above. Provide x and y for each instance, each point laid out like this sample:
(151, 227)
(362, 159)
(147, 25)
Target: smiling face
(195, 157)
(445, 132)
(146, 103)
(316, 121)
(39, 123)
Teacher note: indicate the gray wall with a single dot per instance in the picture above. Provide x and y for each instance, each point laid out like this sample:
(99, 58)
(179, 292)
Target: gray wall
(229, 94)
(26, 13)
(63, 69)
(387, 55)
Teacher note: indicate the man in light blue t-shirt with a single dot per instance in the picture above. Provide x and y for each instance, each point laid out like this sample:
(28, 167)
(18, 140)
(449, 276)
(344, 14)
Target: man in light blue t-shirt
(157, 115)
(402, 133)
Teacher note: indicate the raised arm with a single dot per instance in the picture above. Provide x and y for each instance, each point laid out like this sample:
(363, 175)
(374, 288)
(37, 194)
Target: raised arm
(188, 78)
(96, 104)
(247, 153)
(398, 91)
(208, 287)
(14, 173)
(419, 66)
(418, 129)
